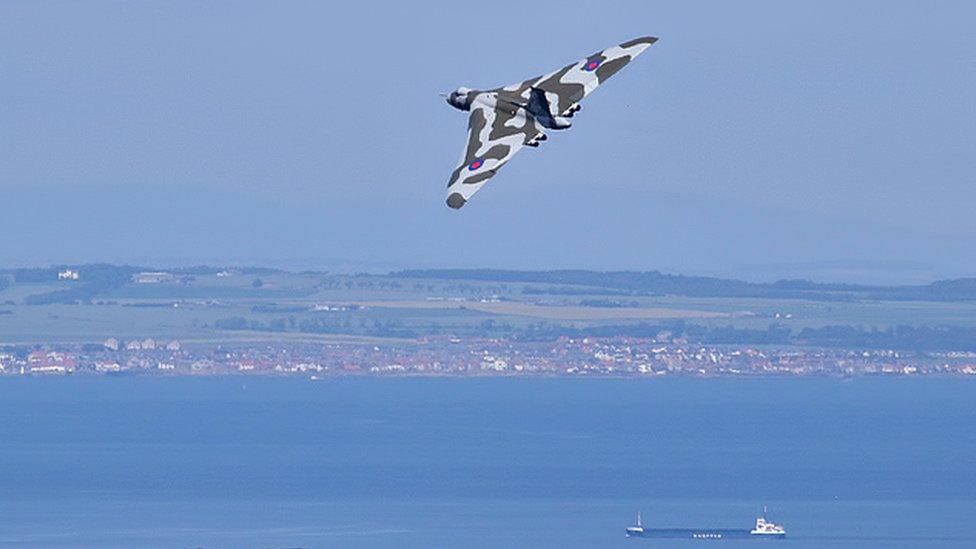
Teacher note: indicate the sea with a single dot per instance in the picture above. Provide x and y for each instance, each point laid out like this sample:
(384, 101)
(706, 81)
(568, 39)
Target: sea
(208, 462)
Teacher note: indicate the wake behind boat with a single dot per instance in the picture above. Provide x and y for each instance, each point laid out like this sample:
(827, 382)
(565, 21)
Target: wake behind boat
(764, 529)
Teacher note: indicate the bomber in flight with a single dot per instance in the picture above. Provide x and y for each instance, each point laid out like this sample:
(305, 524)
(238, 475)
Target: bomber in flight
(503, 120)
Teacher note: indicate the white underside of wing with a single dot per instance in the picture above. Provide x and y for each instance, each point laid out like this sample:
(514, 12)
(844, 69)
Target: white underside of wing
(489, 164)
(576, 75)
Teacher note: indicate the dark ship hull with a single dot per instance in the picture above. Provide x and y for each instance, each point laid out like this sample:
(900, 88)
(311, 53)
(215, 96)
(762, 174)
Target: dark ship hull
(699, 533)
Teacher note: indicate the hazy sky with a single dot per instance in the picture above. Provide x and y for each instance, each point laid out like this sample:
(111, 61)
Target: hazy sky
(763, 139)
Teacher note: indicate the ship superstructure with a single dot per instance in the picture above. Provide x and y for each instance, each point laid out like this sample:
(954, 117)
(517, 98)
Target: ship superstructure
(766, 528)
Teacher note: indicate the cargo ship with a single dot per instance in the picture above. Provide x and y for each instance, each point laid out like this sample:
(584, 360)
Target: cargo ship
(764, 529)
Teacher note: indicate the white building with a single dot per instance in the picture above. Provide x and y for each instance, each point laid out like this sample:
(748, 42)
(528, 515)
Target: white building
(153, 277)
(107, 367)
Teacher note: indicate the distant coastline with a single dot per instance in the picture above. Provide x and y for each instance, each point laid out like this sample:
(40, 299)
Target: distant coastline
(109, 319)
(564, 357)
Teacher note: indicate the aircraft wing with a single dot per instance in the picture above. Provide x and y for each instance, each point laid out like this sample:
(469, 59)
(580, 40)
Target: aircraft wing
(570, 84)
(495, 134)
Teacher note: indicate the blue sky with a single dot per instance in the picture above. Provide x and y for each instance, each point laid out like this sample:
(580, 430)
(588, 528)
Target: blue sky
(763, 139)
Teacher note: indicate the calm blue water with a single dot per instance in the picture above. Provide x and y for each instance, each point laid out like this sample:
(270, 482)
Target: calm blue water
(246, 462)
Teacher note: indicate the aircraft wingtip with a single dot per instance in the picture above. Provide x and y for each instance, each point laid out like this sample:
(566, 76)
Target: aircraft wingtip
(455, 201)
(646, 40)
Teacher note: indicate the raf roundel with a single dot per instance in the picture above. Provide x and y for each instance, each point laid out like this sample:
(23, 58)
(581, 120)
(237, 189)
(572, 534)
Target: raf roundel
(476, 164)
(592, 65)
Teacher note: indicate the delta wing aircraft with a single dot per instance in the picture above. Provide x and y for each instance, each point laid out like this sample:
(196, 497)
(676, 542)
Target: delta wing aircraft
(503, 120)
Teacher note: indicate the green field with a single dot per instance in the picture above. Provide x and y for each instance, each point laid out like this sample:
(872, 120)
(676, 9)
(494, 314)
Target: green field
(208, 307)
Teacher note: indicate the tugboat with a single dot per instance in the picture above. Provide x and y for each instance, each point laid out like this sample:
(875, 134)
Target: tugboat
(764, 529)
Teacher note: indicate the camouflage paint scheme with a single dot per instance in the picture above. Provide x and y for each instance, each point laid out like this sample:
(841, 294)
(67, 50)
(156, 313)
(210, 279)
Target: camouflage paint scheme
(503, 120)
